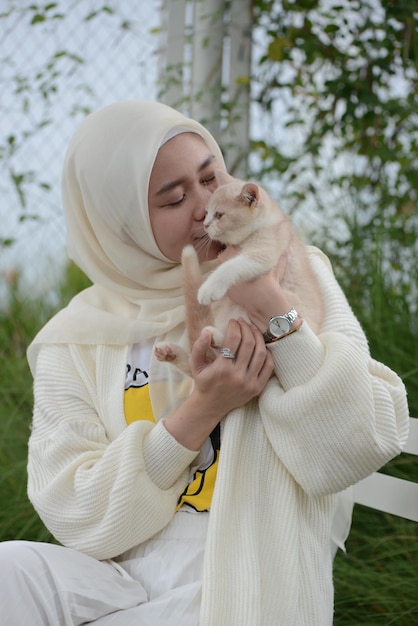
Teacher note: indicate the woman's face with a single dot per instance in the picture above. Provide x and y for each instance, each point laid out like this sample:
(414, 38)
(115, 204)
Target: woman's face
(182, 180)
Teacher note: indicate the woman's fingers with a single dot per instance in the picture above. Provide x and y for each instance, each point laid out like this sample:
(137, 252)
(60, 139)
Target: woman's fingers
(240, 370)
(202, 353)
(246, 343)
(260, 362)
(232, 341)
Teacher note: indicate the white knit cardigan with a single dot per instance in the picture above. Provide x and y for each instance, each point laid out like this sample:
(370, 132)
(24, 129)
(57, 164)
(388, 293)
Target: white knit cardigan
(330, 416)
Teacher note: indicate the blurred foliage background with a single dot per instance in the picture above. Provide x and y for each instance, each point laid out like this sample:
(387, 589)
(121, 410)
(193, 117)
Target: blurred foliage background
(333, 93)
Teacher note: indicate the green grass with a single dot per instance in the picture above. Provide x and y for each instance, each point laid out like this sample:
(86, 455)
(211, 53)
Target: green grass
(18, 325)
(376, 582)
(17, 517)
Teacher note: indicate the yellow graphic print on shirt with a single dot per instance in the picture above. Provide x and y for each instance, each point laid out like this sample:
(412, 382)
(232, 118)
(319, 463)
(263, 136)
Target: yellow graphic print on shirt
(136, 401)
(137, 406)
(198, 493)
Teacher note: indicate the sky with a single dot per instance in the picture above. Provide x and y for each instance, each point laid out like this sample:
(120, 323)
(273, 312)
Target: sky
(52, 72)
(77, 56)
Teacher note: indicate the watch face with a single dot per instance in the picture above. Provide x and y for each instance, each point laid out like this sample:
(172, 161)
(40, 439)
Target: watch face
(279, 326)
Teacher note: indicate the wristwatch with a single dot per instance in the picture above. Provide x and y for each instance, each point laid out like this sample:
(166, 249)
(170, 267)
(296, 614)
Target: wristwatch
(279, 326)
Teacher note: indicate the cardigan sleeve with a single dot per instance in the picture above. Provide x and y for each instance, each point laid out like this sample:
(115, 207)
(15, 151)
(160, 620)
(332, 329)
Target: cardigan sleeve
(97, 493)
(332, 413)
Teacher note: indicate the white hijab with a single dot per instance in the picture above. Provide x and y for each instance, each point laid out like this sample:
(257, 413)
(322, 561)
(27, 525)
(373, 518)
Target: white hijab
(136, 292)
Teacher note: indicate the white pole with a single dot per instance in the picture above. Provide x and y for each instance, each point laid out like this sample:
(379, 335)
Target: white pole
(172, 53)
(206, 67)
(207, 55)
(235, 136)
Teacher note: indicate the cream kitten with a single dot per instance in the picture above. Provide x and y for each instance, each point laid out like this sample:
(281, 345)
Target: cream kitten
(242, 214)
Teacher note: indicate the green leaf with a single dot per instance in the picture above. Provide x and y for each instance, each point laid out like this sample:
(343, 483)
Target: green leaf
(6, 242)
(276, 49)
(38, 18)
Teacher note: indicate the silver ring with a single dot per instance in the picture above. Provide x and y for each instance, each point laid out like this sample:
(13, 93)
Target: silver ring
(227, 354)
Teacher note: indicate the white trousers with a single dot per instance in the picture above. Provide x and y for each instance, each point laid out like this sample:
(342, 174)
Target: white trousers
(156, 584)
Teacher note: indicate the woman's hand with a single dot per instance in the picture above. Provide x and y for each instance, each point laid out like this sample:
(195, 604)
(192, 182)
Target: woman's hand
(261, 298)
(227, 383)
(221, 384)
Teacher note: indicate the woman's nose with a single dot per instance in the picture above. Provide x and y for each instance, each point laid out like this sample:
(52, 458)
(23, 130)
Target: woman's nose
(200, 204)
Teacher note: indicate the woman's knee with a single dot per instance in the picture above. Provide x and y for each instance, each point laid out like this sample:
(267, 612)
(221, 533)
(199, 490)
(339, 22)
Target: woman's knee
(19, 556)
(14, 550)
(27, 595)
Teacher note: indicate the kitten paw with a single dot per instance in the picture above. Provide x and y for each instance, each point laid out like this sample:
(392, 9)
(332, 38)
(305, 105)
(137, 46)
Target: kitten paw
(217, 336)
(172, 353)
(210, 293)
(165, 352)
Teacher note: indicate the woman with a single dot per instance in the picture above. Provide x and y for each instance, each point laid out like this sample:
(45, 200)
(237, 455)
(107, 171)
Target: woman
(205, 501)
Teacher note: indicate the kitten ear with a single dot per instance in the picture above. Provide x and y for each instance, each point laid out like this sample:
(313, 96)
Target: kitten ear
(250, 194)
(223, 178)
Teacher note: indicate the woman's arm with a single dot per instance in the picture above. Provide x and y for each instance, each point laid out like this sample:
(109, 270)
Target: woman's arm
(95, 492)
(221, 385)
(332, 413)
(103, 493)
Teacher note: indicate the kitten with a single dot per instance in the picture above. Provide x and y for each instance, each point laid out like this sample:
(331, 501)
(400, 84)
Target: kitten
(242, 214)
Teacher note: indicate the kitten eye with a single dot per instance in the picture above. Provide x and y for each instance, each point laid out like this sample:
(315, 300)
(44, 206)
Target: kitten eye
(218, 215)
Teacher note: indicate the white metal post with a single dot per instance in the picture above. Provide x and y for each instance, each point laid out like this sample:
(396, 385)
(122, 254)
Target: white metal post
(207, 56)
(172, 52)
(206, 69)
(235, 135)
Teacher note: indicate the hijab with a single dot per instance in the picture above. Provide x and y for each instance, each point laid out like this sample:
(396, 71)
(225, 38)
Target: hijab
(137, 291)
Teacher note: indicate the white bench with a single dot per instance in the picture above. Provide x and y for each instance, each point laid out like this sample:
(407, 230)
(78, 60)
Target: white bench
(392, 495)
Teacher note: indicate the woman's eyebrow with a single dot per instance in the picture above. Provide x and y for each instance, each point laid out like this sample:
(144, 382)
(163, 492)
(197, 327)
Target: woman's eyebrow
(178, 181)
(207, 162)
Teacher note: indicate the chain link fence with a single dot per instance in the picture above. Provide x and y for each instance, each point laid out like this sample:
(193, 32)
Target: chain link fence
(58, 61)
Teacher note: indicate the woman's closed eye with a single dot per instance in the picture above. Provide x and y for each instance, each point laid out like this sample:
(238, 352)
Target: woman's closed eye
(208, 180)
(177, 202)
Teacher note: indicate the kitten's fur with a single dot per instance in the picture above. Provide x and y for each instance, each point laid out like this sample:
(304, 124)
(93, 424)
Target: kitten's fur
(242, 214)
